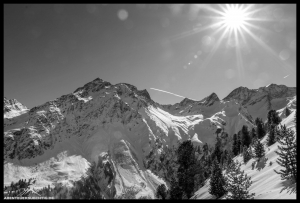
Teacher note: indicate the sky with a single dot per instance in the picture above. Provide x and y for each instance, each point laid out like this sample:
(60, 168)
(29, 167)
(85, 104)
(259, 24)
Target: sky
(189, 50)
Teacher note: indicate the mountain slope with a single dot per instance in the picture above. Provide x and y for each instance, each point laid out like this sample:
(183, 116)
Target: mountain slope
(266, 184)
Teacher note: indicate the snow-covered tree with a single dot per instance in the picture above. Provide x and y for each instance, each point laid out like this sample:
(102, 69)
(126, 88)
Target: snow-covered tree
(287, 155)
(217, 181)
(237, 183)
(259, 150)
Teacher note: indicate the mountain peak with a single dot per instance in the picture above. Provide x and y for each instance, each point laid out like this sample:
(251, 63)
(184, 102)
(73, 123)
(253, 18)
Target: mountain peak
(92, 84)
(186, 101)
(210, 100)
(213, 96)
(239, 93)
(13, 106)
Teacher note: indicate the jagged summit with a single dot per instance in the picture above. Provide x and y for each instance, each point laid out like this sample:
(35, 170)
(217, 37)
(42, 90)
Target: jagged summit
(12, 107)
(210, 100)
(10, 104)
(239, 93)
(91, 85)
(186, 101)
(213, 96)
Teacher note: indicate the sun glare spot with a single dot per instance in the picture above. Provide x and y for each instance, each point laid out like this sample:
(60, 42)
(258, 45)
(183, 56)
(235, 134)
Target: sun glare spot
(234, 17)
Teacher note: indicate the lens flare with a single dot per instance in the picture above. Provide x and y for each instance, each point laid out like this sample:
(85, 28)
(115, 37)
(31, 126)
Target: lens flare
(234, 17)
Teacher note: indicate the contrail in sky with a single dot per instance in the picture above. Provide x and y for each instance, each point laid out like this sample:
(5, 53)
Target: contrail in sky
(168, 92)
(286, 76)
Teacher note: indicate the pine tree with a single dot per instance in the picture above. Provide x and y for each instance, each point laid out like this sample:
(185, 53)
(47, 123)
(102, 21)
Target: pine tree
(217, 181)
(175, 191)
(229, 158)
(260, 130)
(259, 149)
(271, 137)
(217, 150)
(287, 155)
(235, 148)
(287, 112)
(253, 134)
(186, 171)
(273, 117)
(161, 191)
(223, 159)
(246, 154)
(239, 142)
(237, 183)
(246, 139)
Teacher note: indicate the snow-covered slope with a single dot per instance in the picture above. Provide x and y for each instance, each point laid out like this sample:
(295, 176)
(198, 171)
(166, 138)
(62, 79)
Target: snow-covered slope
(266, 184)
(117, 125)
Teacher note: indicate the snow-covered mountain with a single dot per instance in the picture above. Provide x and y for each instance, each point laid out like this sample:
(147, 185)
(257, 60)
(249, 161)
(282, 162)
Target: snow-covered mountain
(120, 126)
(13, 108)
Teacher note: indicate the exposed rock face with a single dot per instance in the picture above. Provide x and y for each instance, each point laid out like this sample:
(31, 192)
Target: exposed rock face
(118, 126)
(12, 108)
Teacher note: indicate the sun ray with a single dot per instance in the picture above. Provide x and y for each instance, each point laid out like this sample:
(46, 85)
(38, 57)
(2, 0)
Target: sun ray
(269, 50)
(189, 33)
(216, 45)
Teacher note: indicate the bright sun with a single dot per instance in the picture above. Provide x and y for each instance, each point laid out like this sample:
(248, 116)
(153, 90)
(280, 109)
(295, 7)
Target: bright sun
(234, 17)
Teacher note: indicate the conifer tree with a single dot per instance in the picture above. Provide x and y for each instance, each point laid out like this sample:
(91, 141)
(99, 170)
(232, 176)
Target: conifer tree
(237, 183)
(217, 182)
(239, 142)
(246, 139)
(287, 155)
(229, 158)
(175, 191)
(186, 171)
(253, 134)
(246, 154)
(217, 150)
(235, 148)
(161, 191)
(260, 129)
(273, 117)
(271, 137)
(259, 150)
